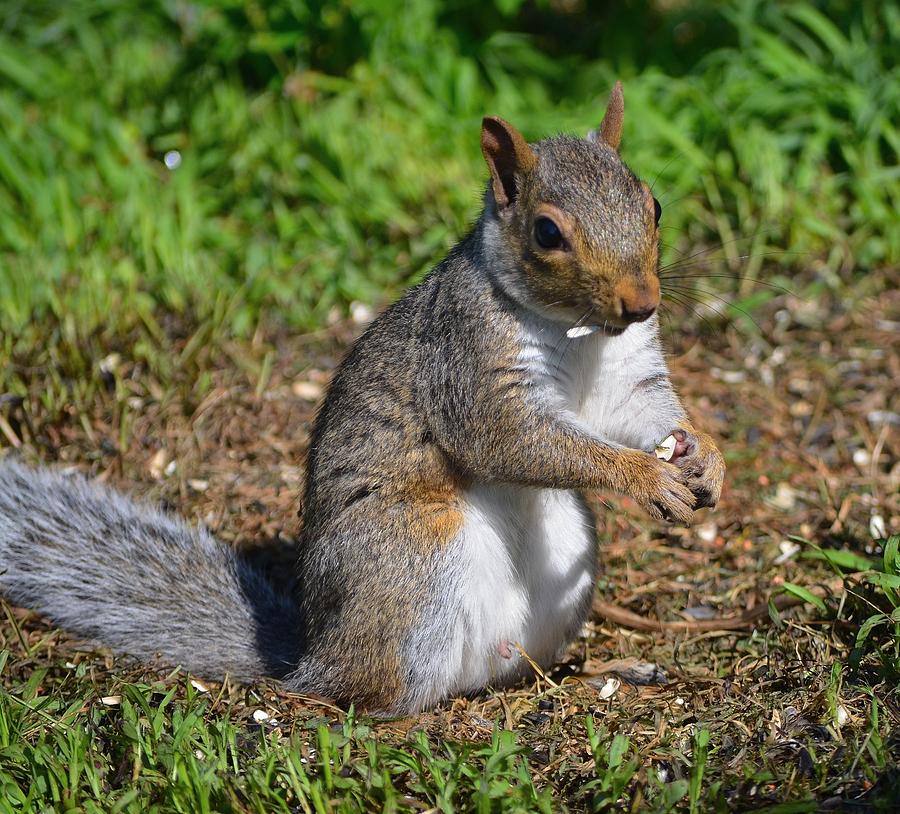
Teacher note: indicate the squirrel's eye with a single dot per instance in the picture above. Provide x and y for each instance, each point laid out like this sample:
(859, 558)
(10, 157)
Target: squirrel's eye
(547, 234)
(657, 211)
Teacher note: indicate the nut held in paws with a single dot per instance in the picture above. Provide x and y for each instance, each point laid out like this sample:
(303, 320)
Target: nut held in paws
(665, 449)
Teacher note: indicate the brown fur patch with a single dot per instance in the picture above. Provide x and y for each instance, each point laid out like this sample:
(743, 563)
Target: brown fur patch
(429, 499)
(435, 524)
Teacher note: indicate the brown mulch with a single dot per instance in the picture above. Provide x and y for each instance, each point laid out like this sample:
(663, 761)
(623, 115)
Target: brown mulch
(807, 411)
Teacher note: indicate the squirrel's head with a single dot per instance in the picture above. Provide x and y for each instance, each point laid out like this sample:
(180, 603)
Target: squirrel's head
(579, 227)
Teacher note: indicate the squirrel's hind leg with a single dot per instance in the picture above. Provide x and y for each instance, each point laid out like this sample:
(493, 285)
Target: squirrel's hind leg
(377, 600)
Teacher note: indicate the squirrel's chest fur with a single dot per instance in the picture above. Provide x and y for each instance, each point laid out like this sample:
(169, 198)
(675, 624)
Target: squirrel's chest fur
(530, 554)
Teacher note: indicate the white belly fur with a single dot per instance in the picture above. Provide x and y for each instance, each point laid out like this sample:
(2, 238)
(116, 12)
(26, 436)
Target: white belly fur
(529, 555)
(531, 560)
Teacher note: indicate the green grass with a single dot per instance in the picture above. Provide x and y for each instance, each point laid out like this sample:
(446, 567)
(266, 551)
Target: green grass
(161, 747)
(312, 175)
(155, 751)
(169, 746)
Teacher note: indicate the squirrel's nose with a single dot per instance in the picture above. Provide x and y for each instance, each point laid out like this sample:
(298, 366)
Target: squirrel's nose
(637, 298)
(637, 310)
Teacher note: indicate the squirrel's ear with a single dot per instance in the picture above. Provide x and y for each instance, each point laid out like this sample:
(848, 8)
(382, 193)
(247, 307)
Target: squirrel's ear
(610, 131)
(507, 154)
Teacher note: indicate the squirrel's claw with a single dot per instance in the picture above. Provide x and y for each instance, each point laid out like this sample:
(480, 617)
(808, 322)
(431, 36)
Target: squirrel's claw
(674, 504)
(703, 468)
(661, 490)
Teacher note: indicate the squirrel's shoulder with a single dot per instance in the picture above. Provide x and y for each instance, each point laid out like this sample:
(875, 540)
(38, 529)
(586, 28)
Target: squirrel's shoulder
(457, 299)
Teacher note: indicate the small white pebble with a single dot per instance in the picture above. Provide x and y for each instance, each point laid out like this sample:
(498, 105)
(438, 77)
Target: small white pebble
(861, 457)
(198, 485)
(199, 754)
(198, 686)
(610, 688)
(111, 700)
(170, 468)
(878, 417)
(260, 715)
(707, 532)
(172, 159)
(877, 527)
(110, 363)
(70, 665)
(841, 716)
(158, 463)
(785, 497)
(728, 376)
(788, 550)
(679, 701)
(308, 391)
(360, 313)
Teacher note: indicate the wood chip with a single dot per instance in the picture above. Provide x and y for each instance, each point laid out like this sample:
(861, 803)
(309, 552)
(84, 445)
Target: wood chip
(157, 464)
(308, 391)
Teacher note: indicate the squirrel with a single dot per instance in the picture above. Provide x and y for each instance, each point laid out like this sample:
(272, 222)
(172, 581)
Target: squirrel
(446, 543)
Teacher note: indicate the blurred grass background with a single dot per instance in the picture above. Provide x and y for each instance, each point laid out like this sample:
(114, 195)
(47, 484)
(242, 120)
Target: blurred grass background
(327, 151)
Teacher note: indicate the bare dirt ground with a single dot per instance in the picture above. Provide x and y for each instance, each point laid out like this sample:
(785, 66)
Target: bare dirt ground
(807, 412)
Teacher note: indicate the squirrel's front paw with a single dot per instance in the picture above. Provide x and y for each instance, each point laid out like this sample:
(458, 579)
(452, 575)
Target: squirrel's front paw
(661, 490)
(702, 466)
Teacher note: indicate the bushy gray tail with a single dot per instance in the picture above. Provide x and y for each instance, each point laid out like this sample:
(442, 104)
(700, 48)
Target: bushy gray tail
(103, 566)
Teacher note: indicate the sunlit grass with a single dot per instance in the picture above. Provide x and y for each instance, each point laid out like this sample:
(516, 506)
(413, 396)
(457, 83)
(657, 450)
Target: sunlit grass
(302, 191)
